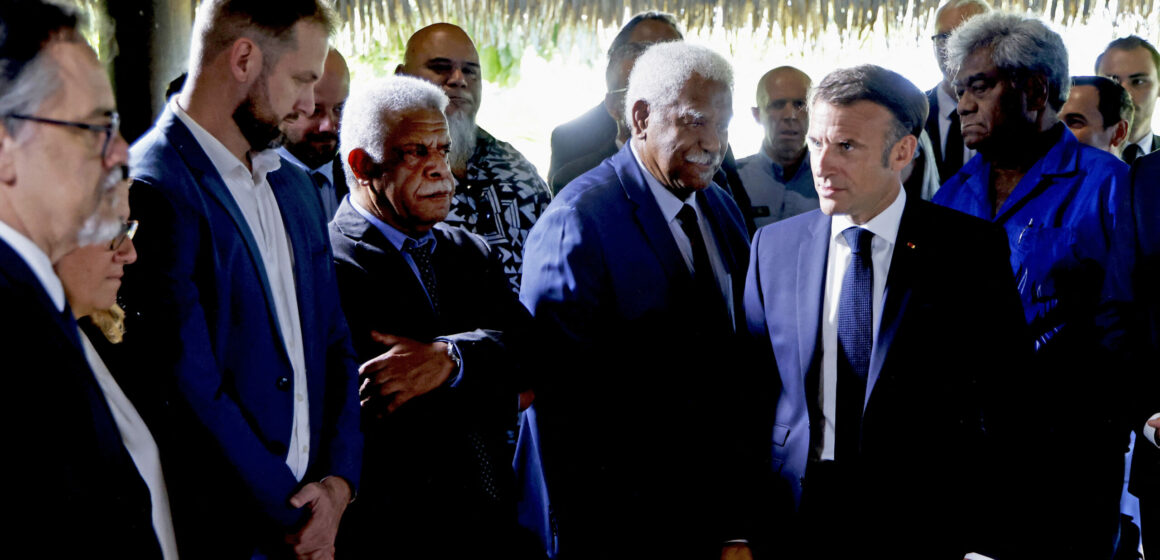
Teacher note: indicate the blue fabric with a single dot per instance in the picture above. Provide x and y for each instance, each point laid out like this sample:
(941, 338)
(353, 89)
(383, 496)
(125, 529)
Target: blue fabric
(855, 339)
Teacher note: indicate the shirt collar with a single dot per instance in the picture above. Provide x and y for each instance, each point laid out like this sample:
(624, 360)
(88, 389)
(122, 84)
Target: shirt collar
(778, 172)
(946, 103)
(326, 169)
(36, 260)
(669, 203)
(396, 238)
(1145, 144)
(224, 161)
(884, 225)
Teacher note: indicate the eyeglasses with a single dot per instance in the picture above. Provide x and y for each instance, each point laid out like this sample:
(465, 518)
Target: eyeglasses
(128, 230)
(940, 38)
(109, 130)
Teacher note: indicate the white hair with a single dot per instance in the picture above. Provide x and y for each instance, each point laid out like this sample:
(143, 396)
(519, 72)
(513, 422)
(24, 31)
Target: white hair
(661, 72)
(1021, 46)
(374, 108)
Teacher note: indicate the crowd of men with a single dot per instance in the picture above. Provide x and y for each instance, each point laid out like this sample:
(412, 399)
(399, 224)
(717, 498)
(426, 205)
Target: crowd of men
(359, 325)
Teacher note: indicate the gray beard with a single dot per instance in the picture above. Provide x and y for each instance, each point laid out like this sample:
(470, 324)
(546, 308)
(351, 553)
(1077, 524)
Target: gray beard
(462, 130)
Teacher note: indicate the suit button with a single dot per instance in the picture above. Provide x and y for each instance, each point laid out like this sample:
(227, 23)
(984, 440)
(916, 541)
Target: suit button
(283, 383)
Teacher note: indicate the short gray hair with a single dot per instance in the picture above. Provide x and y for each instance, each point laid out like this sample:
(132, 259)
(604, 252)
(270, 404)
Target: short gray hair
(374, 108)
(1021, 47)
(663, 69)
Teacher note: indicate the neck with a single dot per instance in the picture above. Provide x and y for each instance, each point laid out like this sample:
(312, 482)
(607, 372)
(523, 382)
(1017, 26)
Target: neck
(203, 103)
(1025, 149)
(17, 220)
(789, 161)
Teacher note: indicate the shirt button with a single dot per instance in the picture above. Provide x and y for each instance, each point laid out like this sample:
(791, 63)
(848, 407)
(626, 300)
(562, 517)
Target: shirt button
(300, 397)
(306, 449)
(283, 383)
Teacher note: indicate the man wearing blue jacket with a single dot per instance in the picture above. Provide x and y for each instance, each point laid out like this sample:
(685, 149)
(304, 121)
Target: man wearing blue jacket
(1066, 211)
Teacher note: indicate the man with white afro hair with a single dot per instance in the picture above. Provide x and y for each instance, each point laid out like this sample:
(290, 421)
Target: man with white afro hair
(418, 295)
(635, 272)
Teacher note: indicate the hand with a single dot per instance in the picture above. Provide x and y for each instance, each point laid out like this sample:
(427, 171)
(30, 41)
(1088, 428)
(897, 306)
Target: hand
(408, 369)
(327, 501)
(1155, 431)
(736, 551)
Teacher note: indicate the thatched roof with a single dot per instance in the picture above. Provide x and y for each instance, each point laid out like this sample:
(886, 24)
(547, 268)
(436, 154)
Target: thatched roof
(549, 25)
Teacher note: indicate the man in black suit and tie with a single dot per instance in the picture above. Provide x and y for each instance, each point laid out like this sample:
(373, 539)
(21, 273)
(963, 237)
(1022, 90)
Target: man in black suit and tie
(1135, 64)
(439, 333)
(896, 333)
(62, 160)
(942, 122)
(312, 139)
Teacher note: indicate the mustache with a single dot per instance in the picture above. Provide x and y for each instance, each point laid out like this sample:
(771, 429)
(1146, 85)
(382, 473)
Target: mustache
(704, 158)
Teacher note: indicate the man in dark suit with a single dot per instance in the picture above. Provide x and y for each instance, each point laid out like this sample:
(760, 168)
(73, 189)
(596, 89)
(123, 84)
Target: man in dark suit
(1135, 64)
(234, 297)
(635, 273)
(61, 156)
(593, 130)
(877, 308)
(312, 139)
(942, 122)
(438, 329)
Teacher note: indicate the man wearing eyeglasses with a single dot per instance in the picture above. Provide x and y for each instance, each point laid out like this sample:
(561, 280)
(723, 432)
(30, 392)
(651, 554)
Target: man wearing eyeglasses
(61, 158)
(942, 123)
(777, 178)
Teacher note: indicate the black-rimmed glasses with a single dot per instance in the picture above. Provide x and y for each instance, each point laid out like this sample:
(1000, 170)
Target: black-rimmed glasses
(109, 130)
(128, 230)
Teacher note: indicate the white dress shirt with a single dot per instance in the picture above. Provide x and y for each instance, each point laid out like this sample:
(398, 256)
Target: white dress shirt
(947, 105)
(670, 206)
(884, 226)
(1145, 145)
(37, 261)
(252, 192)
(141, 447)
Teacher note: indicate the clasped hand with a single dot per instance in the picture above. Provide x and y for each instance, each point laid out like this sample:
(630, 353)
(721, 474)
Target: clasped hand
(407, 369)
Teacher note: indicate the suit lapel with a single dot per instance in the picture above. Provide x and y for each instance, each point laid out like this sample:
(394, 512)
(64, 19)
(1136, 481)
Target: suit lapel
(293, 204)
(811, 279)
(898, 291)
(385, 261)
(648, 215)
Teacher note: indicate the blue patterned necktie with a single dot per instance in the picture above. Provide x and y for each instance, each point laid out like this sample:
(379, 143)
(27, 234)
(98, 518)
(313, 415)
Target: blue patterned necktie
(855, 340)
(421, 254)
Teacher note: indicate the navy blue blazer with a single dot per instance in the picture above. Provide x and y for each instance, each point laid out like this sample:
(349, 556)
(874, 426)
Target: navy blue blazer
(201, 313)
(950, 344)
(69, 470)
(632, 408)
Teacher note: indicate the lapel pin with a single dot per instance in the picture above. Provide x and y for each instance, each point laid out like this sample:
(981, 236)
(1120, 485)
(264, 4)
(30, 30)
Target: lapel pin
(910, 245)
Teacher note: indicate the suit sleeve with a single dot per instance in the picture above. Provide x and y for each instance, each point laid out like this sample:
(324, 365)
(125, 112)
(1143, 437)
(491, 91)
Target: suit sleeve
(173, 336)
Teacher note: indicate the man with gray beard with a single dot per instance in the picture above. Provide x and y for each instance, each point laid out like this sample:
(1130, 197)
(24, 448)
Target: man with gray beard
(498, 193)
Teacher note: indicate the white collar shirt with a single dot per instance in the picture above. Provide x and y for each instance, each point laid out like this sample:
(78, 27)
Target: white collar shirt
(252, 192)
(36, 260)
(884, 226)
(1145, 145)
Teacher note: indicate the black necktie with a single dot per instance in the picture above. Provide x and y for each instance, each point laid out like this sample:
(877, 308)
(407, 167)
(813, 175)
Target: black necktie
(855, 340)
(1131, 153)
(953, 155)
(708, 293)
(421, 254)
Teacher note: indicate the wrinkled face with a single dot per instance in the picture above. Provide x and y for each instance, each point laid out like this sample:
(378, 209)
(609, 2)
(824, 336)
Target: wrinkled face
(313, 137)
(416, 184)
(993, 113)
(91, 274)
(782, 113)
(1134, 70)
(684, 144)
(61, 170)
(847, 144)
(1081, 114)
(284, 91)
(446, 57)
(948, 20)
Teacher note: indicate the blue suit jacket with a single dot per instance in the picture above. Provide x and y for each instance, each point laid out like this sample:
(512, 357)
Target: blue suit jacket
(932, 396)
(631, 405)
(68, 467)
(201, 312)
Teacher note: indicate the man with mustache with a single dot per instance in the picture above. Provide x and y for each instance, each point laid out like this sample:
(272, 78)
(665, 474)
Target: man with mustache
(438, 330)
(312, 139)
(233, 303)
(635, 273)
(1066, 209)
(777, 177)
(498, 193)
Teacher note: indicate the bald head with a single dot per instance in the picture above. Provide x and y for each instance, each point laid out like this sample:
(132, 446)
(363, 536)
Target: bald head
(781, 111)
(313, 138)
(948, 18)
(444, 55)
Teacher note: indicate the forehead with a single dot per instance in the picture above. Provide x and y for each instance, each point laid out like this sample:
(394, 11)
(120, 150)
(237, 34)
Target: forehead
(951, 18)
(651, 30)
(1127, 62)
(85, 88)
(451, 44)
(419, 126)
(702, 94)
(308, 51)
(786, 85)
(334, 87)
(1082, 99)
(978, 62)
(861, 120)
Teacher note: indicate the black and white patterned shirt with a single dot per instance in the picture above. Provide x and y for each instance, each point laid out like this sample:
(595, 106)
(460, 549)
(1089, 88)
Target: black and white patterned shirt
(499, 200)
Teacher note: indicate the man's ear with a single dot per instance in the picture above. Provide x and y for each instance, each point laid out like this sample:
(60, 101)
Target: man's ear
(640, 115)
(614, 109)
(756, 114)
(1120, 134)
(1037, 92)
(362, 165)
(245, 60)
(903, 152)
(7, 157)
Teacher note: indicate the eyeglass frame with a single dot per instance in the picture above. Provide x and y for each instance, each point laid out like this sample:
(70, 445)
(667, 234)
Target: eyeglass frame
(109, 129)
(128, 231)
